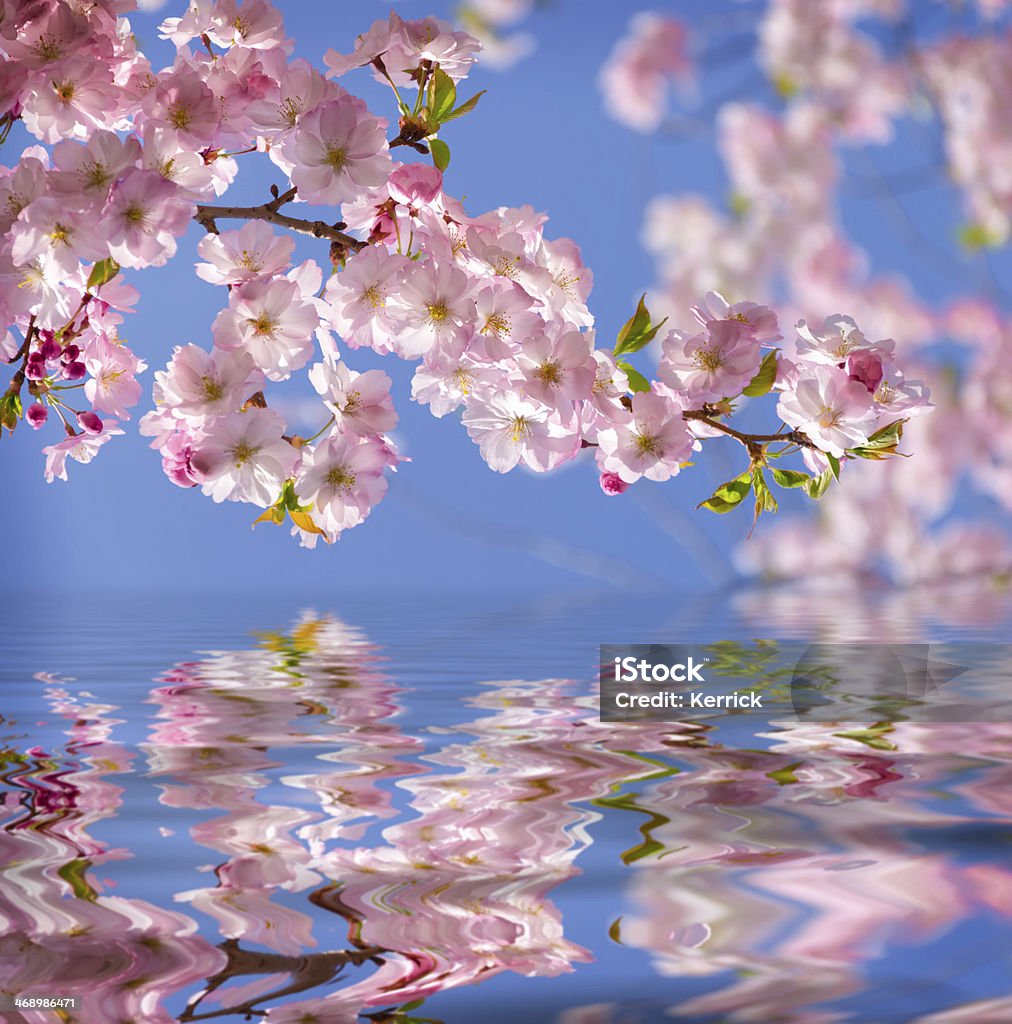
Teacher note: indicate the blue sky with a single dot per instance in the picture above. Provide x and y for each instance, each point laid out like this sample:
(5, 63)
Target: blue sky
(539, 136)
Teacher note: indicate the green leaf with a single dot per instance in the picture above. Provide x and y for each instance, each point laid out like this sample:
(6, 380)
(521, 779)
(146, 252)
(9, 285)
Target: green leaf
(763, 381)
(785, 776)
(816, 487)
(442, 95)
(637, 382)
(764, 499)
(882, 443)
(10, 410)
(975, 237)
(275, 514)
(74, 873)
(790, 477)
(440, 153)
(103, 271)
(834, 465)
(304, 521)
(637, 331)
(730, 495)
(873, 737)
(465, 108)
(785, 86)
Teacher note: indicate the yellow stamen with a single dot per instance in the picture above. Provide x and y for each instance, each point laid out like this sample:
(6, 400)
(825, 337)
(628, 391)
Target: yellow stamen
(263, 324)
(438, 311)
(550, 374)
(339, 479)
(646, 444)
(336, 157)
(708, 358)
(520, 429)
(179, 116)
(242, 453)
(498, 324)
(213, 391)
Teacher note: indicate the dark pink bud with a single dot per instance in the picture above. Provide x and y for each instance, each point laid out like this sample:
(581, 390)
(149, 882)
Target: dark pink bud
(50, 350)
(36, 415)
(35, 368)
(89, 422)
(70, 353)
(74, 370)
(865, 366)
(612, 484)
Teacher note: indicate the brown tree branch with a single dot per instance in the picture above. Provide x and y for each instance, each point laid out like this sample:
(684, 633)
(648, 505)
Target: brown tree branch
(794, 437)
(207, 216)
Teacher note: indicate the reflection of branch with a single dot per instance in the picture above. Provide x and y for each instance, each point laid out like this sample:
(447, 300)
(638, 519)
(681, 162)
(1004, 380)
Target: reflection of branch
(306, 972)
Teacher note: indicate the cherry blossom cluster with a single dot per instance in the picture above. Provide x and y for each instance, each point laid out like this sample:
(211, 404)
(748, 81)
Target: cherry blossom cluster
(837, 89)
(817, 56)
(494, 312)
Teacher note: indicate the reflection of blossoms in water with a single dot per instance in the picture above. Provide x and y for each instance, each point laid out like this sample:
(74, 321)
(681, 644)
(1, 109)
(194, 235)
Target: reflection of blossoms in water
(61, 930)
(770, 871)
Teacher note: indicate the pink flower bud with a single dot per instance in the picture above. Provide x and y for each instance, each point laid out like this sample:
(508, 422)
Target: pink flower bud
(36, 415)
(50, 350)
(35, 368)
(612, 484)
(74, 370)
(865, 366)
(70, 354)
(90, 422)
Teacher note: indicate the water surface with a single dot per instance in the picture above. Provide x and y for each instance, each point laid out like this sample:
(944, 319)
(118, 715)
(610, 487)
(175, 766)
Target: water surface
(402, 809)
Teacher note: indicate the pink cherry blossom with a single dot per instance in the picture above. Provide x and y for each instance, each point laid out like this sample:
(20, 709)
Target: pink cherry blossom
(235, 257)
(635, 78)
(710, 366)
(510, 428)
(557, 365)
(144, 215)
(360, 402)
(83, 175)
(272, 322)
(184, 107)
(612, 484)
(433, 304)
(833, 410)
(339, 152)
(198, 385)
(342, 477)
(46, 227)
(80, 447)
(761, 320)
(74, 97)
(403, 45)
(358, 297)
(651, 441)
(242, 457)
(113, 386)
(504, 318)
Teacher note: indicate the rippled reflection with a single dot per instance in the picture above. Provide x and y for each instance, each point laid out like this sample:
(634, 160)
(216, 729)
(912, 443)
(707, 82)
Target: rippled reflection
(350, 871)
